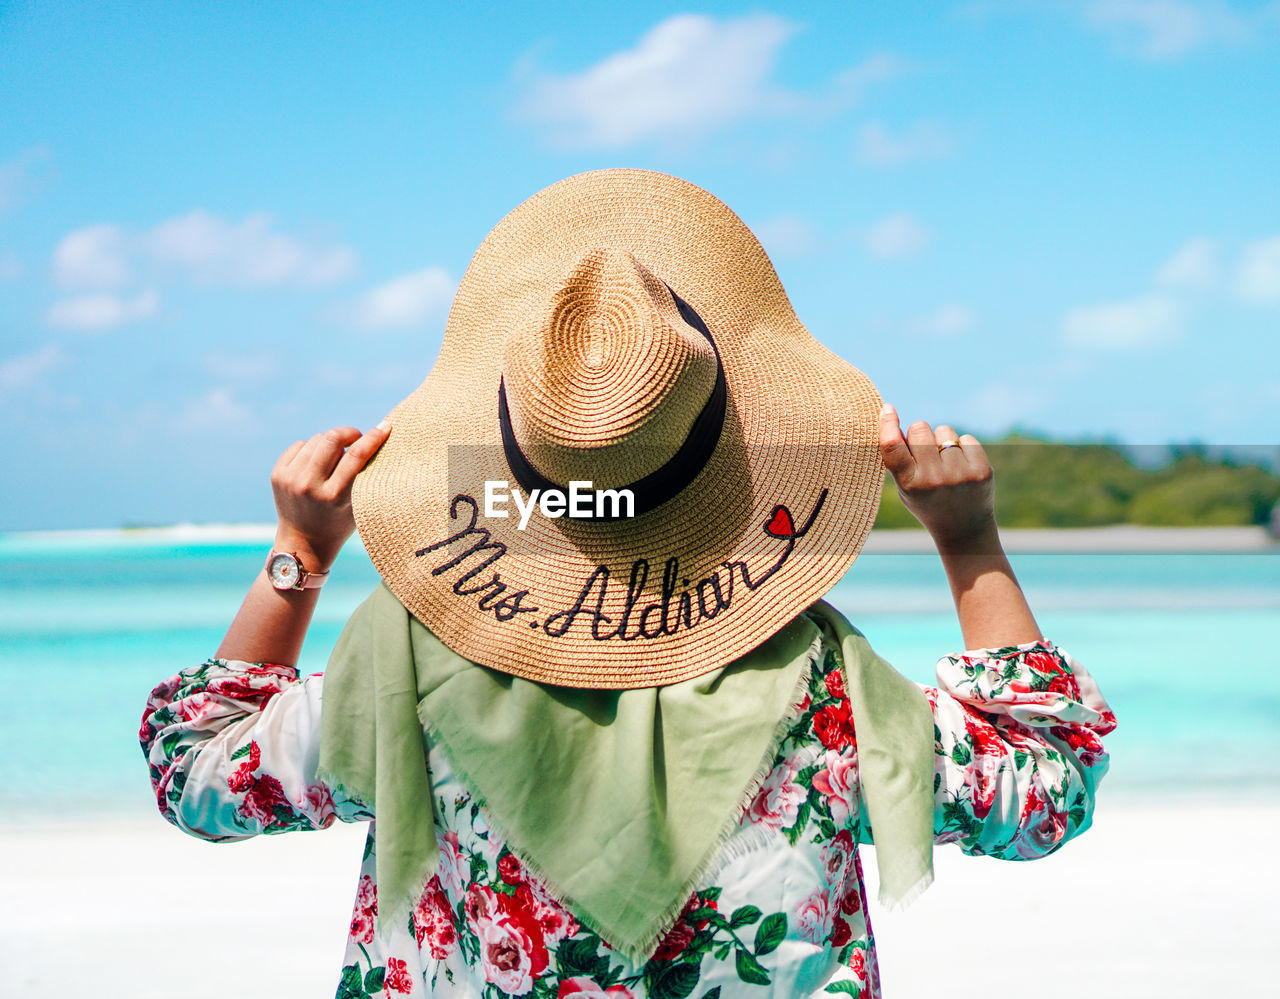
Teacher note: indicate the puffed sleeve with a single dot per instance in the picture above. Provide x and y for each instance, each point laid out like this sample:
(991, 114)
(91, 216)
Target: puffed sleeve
(1018, 750)
(233, 749)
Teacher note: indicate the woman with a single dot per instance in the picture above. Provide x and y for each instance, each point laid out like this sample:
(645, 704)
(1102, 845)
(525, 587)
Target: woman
(615, 742)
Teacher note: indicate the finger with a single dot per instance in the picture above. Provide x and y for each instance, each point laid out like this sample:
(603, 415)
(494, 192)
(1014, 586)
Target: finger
(358, 455)
(975, 454)
(893, 446)
(944, 434)
(302, 457)
(289, 454)
(328, 450)
(924, 448)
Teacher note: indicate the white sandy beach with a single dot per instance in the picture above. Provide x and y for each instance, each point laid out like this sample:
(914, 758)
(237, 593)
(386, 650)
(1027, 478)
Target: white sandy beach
(1158, 900)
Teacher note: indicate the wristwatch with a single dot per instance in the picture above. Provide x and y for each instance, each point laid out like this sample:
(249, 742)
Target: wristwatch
(286, 573)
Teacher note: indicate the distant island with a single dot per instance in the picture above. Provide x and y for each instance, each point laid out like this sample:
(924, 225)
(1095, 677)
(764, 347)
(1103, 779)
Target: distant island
(1043, 483)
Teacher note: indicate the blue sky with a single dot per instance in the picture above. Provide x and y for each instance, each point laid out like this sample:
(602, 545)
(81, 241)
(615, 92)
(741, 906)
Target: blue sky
(224, 226)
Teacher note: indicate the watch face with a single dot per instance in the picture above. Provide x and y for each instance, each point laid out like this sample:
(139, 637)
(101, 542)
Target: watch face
(283, 571)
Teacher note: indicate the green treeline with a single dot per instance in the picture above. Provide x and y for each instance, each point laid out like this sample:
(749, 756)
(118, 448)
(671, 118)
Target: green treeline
(1043, 483)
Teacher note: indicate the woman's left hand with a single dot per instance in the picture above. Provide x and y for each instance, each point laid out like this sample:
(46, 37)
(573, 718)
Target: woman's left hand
(311, 482)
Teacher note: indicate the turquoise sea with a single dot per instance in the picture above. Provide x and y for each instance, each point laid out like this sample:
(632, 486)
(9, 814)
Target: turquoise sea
(1184, 646)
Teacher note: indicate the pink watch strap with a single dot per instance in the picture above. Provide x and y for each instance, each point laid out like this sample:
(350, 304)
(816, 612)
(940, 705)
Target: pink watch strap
(311, 580)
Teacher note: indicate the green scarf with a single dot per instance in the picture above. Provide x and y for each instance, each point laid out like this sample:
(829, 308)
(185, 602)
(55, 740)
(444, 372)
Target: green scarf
(590, 787)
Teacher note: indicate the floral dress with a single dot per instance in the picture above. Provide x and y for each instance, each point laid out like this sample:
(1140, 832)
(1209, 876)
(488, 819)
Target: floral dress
(233, 750)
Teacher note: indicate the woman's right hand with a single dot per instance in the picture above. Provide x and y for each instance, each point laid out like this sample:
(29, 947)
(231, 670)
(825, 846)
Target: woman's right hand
(312, 487)
(950, 491)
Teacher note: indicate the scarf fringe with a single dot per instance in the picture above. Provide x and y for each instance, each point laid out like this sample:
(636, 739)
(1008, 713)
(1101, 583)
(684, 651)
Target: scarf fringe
(638, 951)
(908, 897)
(338, 787)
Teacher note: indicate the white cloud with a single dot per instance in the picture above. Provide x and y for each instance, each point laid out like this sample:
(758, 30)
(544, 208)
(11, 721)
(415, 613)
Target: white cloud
(215, 251)
(849, 84)
(96, 256)
(786, 235)
(205, 248)
(1136, 322)
(922, 141)
(898, 235)
(1194, 266)
(950, 319)
(1167, 29)
(22, 176)
(407, 300)
(27, 369)
(688, 75)
(1258, 275)
(94, 313)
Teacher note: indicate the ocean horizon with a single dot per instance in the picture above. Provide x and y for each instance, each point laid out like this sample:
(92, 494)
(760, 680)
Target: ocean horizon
(91, 621)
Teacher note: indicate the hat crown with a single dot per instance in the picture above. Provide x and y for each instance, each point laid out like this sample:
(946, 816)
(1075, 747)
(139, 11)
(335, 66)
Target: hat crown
(606, 380)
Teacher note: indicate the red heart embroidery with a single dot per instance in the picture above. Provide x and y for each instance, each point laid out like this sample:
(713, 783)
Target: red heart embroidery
(780, 526)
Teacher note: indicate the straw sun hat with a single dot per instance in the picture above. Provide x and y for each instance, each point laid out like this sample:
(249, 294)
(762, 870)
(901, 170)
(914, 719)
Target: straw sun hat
(622, 330)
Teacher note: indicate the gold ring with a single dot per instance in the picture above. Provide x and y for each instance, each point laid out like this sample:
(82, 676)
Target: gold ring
(946, 444)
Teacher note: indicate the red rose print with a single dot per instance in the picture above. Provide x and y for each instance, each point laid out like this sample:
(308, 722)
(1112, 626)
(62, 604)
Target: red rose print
(777, 803)
(838, 781)
(196, 707)
(554, 921)
(833, 726)
(512, 952)
(455, 869)
(433, 922)
(1043, 662)
(509, 869)
(858, 963)
(1031, 805)
(587, 988)
(361, 926)
(813, 917)
(696, 903)
(397, 978)
(480, 905)
(673, 944)
(263, 798)
(237, 688)
(1083, 742)
(989, 753)
(268, 669)
(367, 894)
(835, 684)
(841, 934)
(320, 804)
(837, 858)
(241, 779)
(365, 911)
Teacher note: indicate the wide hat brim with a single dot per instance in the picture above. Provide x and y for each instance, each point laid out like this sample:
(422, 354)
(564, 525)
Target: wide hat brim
(774, 519)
